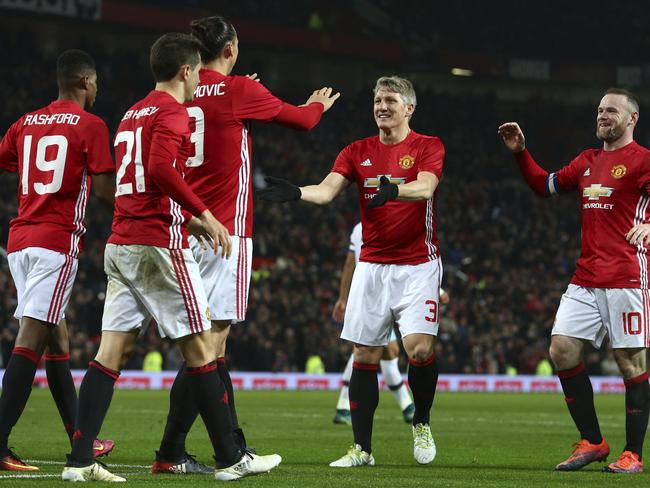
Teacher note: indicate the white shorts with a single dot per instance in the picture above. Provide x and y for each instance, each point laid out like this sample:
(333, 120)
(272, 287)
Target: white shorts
(382, 295)
(226, 281)
(44, 280)
(592, 313)
(146, 282)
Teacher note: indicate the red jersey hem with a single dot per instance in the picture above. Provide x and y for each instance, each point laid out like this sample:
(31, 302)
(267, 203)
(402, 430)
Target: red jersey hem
(594, 284)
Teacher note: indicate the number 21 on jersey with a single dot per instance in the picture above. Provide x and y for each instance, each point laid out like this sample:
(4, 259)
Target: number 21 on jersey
(132, 153)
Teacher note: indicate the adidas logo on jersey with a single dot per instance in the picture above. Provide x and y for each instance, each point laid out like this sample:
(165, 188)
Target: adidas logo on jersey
(587, 172)
(366, 163)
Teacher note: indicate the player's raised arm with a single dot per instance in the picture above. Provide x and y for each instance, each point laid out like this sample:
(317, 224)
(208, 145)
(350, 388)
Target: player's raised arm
(543, 184)
(307, 115)
(280, 190)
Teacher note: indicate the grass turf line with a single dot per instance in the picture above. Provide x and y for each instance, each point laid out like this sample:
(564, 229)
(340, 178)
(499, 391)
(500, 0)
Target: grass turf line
(488, 440)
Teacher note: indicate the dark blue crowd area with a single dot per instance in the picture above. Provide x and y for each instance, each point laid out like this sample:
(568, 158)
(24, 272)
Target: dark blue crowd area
(508, 255)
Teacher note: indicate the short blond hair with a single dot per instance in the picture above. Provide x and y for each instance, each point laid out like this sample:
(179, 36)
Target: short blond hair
(397, 85)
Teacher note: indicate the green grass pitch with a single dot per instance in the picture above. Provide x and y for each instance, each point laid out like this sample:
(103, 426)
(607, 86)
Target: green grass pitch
(484, 440)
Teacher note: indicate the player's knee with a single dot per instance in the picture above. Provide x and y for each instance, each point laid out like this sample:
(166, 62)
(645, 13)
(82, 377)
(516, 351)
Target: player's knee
(421, 352)
(563, 354)
(367, 354)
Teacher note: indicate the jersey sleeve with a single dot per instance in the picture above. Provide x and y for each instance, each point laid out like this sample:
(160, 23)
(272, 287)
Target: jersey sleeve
(432, 157)
(253, 101)
(170, 131)
(343, 164)
(547, 184)
(567, 178)
(9, 150)
(97, 148)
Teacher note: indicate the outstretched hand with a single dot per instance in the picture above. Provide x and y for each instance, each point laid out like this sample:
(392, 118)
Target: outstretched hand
(513, 136)
(387, 191)
(279, 190)
(324, 96)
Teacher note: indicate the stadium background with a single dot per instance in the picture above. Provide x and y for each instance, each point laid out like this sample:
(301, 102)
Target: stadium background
(507, 255)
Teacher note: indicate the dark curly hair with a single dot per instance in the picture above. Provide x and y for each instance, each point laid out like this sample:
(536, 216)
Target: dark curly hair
(213, 33)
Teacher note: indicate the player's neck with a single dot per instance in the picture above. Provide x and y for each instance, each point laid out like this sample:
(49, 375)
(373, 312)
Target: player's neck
(173, 88)
(622, 141)
(394, 135)
(219, 65)
(73, 97)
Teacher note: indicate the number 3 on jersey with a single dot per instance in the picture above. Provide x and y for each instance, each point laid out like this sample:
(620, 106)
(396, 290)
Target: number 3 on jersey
(56, 165)
(133, 141)
(196, 137)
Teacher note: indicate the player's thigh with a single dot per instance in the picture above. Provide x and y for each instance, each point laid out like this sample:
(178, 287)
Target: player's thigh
(124, 310)
(44, 281)
(627, 313)
(226, 281)
(579, 316)
(368, 317)
(196, 349)
(416, 298)
(171, 289)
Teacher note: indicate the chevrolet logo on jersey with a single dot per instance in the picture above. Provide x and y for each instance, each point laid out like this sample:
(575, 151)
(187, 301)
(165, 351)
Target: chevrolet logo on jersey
(374, 182)
(596, 190)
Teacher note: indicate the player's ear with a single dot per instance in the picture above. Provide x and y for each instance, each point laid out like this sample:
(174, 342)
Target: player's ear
(185, 71)
(84, 82)
(228, 50)
(410, 108)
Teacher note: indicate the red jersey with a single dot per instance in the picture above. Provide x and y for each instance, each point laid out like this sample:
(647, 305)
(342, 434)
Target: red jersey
(398, 232)
(614, 188)
(220, 162)
(54, 150)
(157, 127)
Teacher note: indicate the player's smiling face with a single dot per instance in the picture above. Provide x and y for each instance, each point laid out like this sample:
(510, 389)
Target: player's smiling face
(614, 117)
(390, 110)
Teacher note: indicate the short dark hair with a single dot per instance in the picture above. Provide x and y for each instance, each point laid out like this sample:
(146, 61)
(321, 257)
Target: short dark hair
(170, 52)
(71, 65)
(631, 99)
(213, 32)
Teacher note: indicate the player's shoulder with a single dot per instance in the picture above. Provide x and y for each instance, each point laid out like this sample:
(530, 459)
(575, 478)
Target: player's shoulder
(361, 144)
(92, 121)
(427, 140)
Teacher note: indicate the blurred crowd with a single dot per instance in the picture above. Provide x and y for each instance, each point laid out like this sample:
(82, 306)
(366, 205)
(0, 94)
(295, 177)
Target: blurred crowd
(508, 256)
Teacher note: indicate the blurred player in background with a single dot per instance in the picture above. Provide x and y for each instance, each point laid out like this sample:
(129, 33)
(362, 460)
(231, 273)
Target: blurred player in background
(151, 271)
(219, 172)
(56, 151)
(608, 294)
(390, 359)
(397, 280)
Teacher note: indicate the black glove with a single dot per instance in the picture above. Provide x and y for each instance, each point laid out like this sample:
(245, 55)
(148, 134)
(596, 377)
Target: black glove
(279, 190)
(387, 191)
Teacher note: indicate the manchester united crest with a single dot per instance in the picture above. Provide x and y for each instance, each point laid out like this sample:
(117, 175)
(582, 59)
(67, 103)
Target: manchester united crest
(619, 171)
(406, 162)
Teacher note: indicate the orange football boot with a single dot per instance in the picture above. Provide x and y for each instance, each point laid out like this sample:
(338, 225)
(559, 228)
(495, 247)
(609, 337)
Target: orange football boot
(584, 453)
(628, 462)
(11, 462)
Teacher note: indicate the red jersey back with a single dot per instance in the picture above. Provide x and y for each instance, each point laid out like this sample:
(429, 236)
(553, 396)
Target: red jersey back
(614, 191)
(220, 162)
(397, 232)
(143, 213)
(54, 150)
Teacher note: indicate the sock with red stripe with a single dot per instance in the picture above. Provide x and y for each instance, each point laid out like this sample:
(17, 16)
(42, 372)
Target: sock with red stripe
(16, 388)
(95, 395)
(364, 398)
(59, 380)
(579, 397)
(224, 374)
(637, 398)
(181, 417)
(423, 380)
(211, 398)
